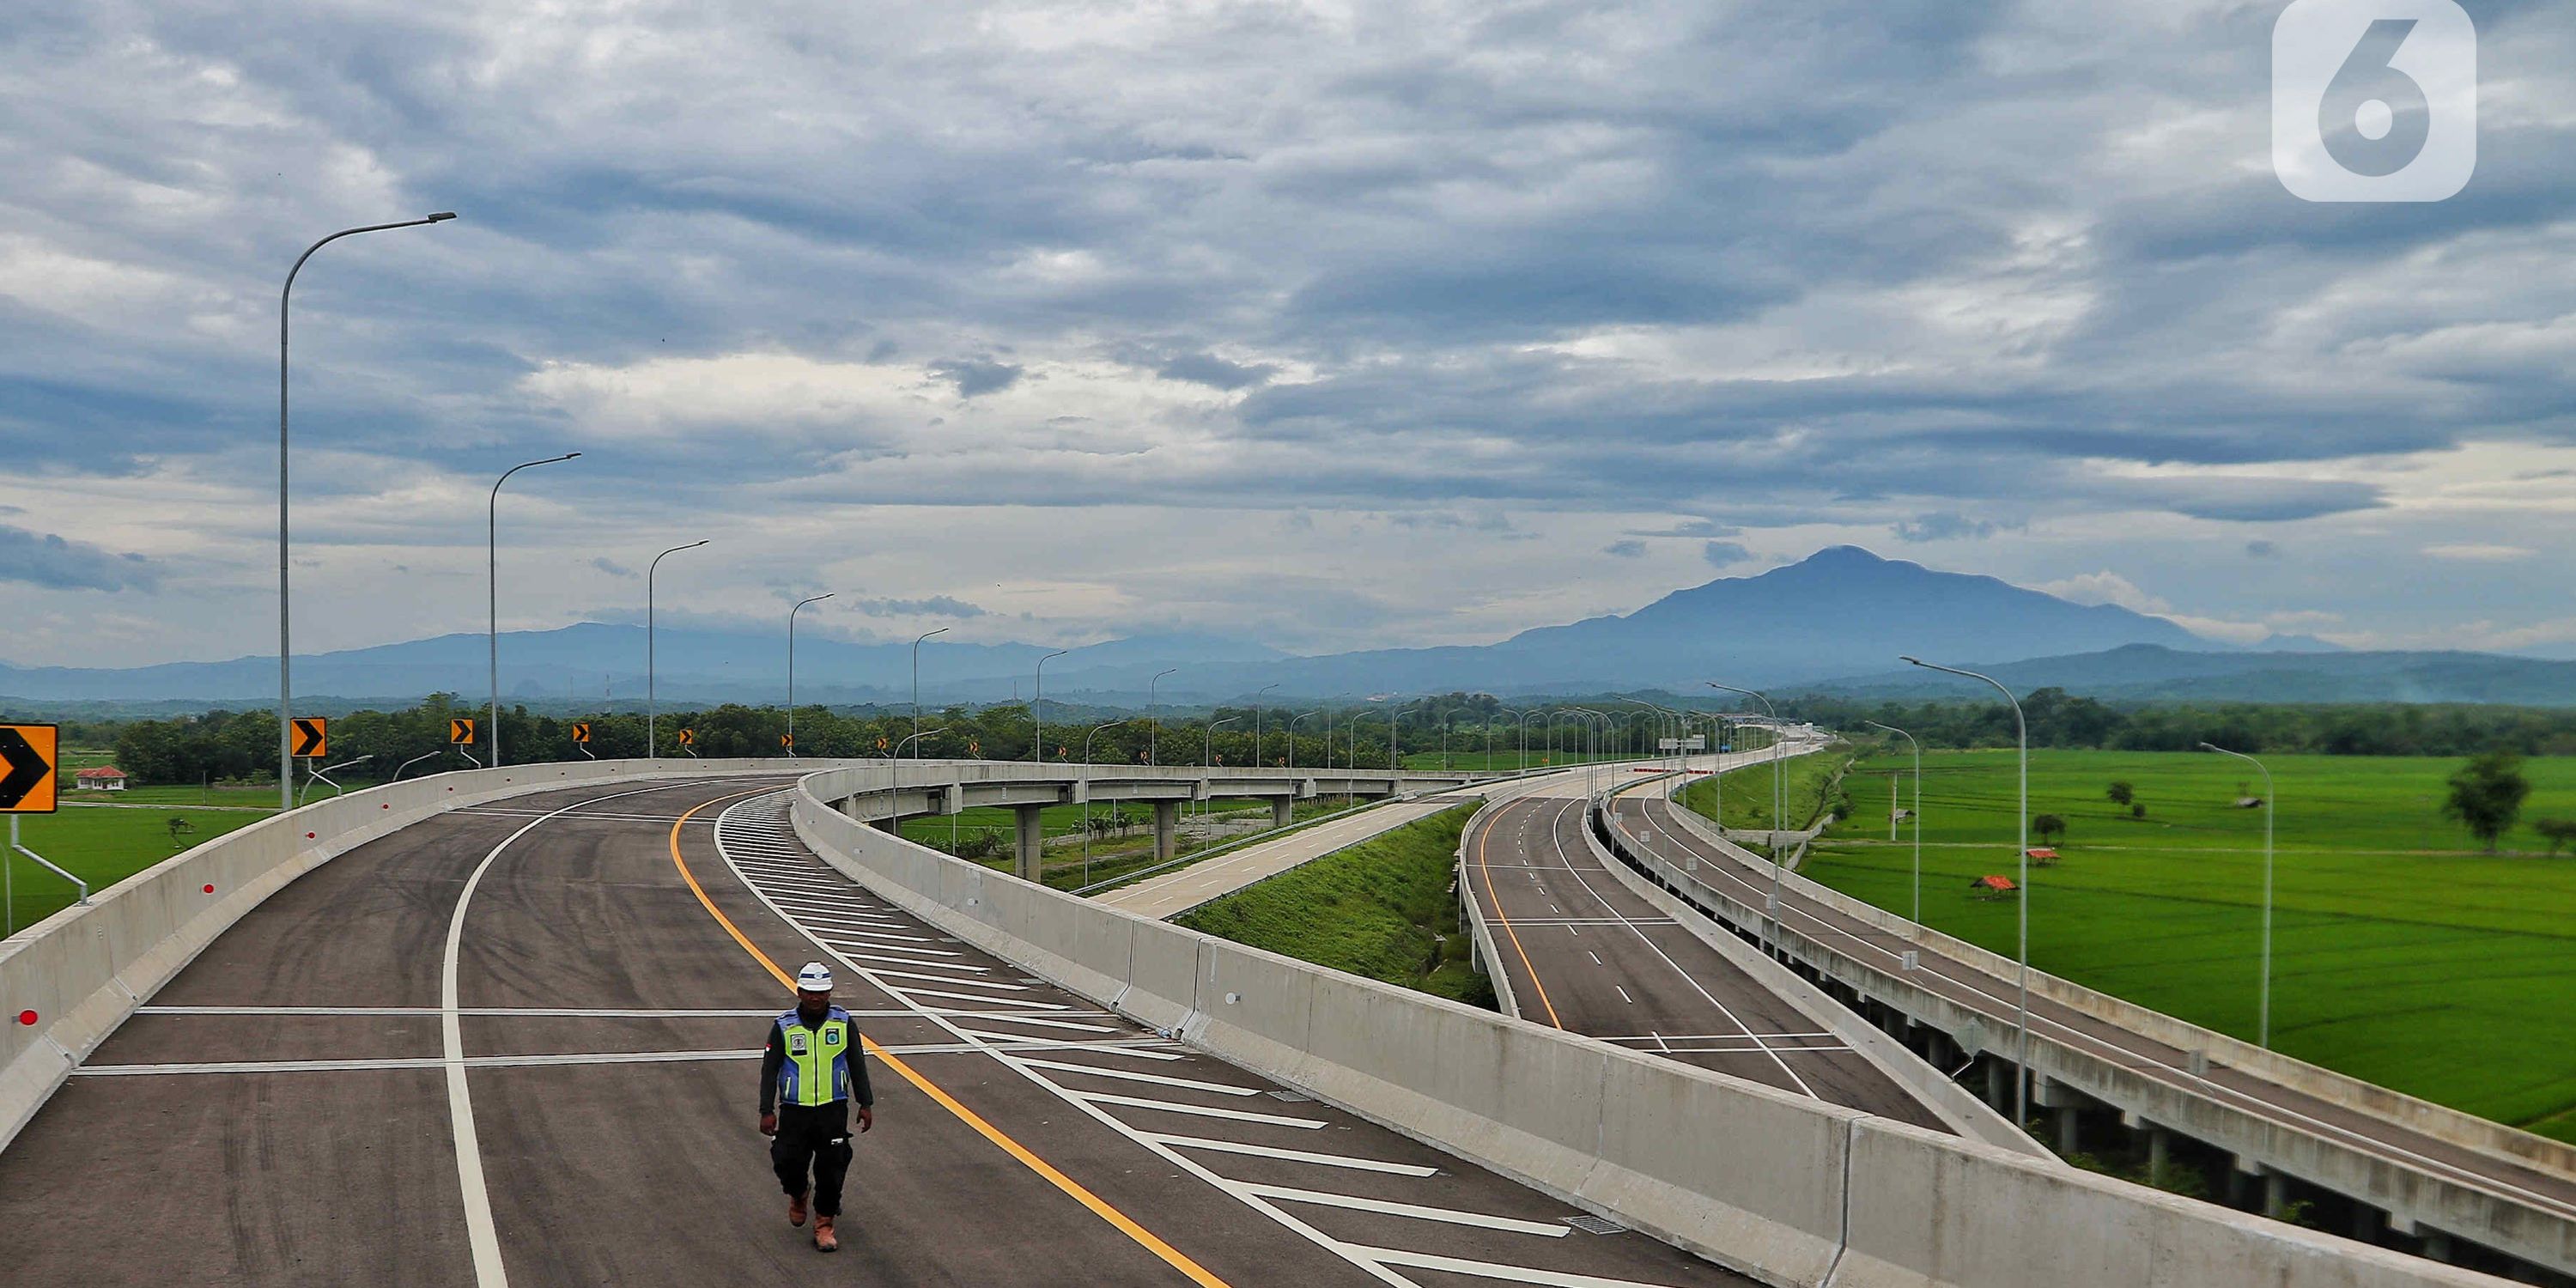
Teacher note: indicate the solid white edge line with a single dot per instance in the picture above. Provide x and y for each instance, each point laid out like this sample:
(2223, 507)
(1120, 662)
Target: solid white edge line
(481, 1237)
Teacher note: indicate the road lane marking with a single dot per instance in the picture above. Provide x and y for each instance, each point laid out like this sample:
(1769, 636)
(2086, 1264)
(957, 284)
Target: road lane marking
(1295, 1155)
(1492, 1269)
(1556, 837)
(1073, 1189)
(1382, 1207)
(1482, 835)
(1202, 1111)
(482, 1239)
(1158, 1079)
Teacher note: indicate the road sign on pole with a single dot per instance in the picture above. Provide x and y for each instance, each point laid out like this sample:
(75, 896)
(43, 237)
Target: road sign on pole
(688, 737)
(581, 731)
(787, 742)
(460, 731)
(312, 737)
(28, 756)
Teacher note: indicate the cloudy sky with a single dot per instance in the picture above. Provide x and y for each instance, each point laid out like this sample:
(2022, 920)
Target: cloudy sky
(1334, 325)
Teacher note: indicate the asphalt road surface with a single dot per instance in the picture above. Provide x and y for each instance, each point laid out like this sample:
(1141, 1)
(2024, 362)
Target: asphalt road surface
(1646, 814)
(520, 1043)
(1585, 953)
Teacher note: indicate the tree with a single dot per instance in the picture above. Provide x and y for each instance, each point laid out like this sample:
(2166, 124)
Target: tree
(2558, 832)
(2044, 826)
(2121, 793)
(2487, 795)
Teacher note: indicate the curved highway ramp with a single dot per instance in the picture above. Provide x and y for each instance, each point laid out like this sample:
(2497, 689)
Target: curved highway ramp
(517, 1043)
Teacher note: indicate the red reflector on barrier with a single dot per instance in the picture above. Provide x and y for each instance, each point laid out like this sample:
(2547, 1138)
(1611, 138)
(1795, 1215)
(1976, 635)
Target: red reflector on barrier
(308, 836)
(27, 1017)
(210, 889)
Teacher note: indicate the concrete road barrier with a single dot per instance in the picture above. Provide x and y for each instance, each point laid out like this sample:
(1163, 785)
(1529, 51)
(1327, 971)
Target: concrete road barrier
(1782, 1188)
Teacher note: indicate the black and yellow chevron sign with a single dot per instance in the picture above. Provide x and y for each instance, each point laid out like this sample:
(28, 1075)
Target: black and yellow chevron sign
(461, 732)
(312, 739)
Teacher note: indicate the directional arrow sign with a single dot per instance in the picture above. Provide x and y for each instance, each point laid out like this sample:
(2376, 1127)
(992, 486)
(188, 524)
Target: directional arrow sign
(27, 769)
(312, 737)
(581, 731)
(787, 740)
(461, 732)
(688, 737)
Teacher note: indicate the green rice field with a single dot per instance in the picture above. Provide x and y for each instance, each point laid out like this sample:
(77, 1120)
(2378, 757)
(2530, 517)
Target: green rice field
(2402, 954)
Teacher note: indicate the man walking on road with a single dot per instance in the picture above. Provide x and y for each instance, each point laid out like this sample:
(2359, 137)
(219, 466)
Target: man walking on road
(809, 1074)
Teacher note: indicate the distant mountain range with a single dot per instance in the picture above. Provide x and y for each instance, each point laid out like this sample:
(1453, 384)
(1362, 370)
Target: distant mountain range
(1833, 622)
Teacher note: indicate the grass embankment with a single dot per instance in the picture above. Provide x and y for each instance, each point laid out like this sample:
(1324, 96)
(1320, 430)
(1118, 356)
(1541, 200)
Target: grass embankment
(1383, 908)
(2402, 954)
(985, 835)
(105, 846)
(1808, 787)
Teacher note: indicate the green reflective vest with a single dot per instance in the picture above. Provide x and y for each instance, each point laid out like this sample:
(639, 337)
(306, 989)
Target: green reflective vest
(817, 1068)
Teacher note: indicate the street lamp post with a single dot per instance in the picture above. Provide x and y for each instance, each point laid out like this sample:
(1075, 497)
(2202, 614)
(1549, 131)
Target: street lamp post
(2263, 1021)
(652, 697)
(1779, 801)
(791, 671)
(1256, 721)
(1292, 736)
(285, 648)
(1207, 760)
(2021, 738)
(1040, 706)
(1918, 816)
(1154, 740)
(492, 559)
(1086, 791)
(916, 685)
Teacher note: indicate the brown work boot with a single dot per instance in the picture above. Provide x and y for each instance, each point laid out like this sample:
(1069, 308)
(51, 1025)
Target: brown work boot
(824, 1239)
(795, 1209)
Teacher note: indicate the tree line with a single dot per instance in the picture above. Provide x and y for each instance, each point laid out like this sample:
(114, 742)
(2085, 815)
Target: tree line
(2060, 719)
(241, 746)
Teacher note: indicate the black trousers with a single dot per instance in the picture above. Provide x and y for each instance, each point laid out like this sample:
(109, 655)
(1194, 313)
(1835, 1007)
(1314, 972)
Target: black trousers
(815, 1137)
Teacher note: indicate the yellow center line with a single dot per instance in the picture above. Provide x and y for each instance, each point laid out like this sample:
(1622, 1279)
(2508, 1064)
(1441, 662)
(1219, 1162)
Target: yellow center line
(1497, 900)
(1099, 1206)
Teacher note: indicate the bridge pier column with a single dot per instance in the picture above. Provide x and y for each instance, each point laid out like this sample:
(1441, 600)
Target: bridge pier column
(1283, 810)
(2276, 1194)
(1030, 824)
(1998, 1096)
(1167, 815)
(2437, 1246)
(2159, 1144)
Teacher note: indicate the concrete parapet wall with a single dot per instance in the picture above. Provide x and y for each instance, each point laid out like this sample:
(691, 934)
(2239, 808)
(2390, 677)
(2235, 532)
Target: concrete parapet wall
(1782, 1188)
(84, 969)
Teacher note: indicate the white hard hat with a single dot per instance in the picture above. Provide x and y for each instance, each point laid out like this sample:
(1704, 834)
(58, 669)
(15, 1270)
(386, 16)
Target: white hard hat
(815, 978)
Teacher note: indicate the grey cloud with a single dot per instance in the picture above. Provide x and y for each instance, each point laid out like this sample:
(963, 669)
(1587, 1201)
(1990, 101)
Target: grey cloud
(974, 376)
(934, 606)
(612, 567)
(1627, 548)
(44, 559)
(1719, 554)
(2262, 549)
(1214, 372)
(1943, 525)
